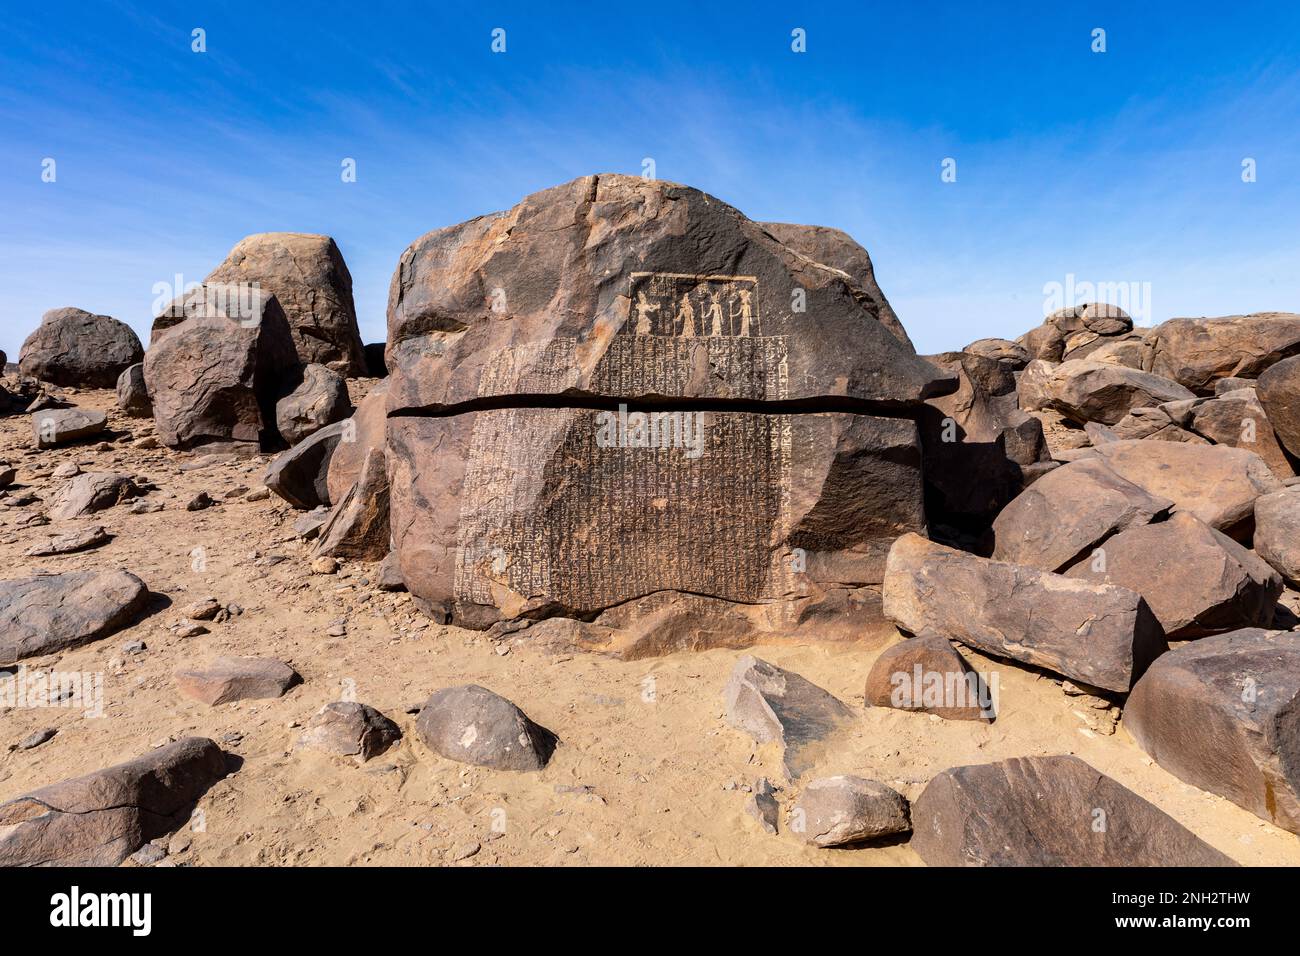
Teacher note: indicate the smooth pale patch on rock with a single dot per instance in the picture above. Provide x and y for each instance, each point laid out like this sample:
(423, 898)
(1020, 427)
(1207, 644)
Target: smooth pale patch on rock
(778, 706)
(74, 349)
(132, 393)
(1047, 811)
(320, 399)
(91, 492)
(300, 474)
(926, 674)
(1198, 352)
(1068, 511)
(1277, 531)
(1215, 483)
(470, 724)
(1223, 714)
(1099, 634)
(350, 729)
(53, 612)
(839, 811)
(229, 679)
(59, 426)
(102, 818)
(1196, 580)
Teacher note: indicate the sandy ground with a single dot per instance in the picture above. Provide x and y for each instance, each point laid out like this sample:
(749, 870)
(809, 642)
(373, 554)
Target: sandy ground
(647, 772)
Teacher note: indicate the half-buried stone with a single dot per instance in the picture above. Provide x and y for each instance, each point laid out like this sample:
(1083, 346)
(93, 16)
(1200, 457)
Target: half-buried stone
(926, 674)
(470, 724)
(53, 612)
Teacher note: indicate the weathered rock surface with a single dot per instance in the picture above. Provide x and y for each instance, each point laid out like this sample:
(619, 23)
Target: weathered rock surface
(59, 426)
(90, 492)
(1223, 714)
(773, 705)
(229, 679)
(1067, 512)
(350, 729)
(300, 475)
(69, 542)
(838, 811)
(319, 400)
(1071, 328)
(1277, 531)
(1099, 634)
(1154, 424)
(1278, 391)
(102, 818)
(358, 527)
(1087, 391)
(216, 375)
(52, 612)
(470, 724)
(1195, 579)
(762, 805)
(1215, 483)
(926, 674)
(366, 429)
(133, 393)
(1198, 352)
(73, 348)
(1010, 355)
(1047, 811)
(1237, 419)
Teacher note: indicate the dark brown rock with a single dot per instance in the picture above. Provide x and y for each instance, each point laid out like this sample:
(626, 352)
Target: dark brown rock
(1237, 419)
(319, 400)
(229, 679)
(840, 811)
(1279, 395)
(132, 393)
(1277, 531)
(1086, 391)
(1011, 355)
(1099, 634)
(73, 348)
(358, 527)
(470, 724)
(90, 492)
(60, 426)
(300, 474)
(102, 818)
(52, 612)
(926, 674)
(1072, 327)
(1047, 811)
(1223, 714)
(366, 429)
(1198, 352)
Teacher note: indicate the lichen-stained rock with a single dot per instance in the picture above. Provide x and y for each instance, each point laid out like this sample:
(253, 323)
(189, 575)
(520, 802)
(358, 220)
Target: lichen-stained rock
(977, 442)
(1198, 352)
(1086, 391)
(1279, 394)
(366, 429)
(625, 288)
(926, 674)
(1072, 327)
(1067, 512)
(52, 612)
(300, 475)
(309, 278)
(228, 679)
(102, 818)
(132, 393)
(215, 376)
(320, 399)
(1277, 531)
(1047, 811)
(358, 527)
(841, 811)
(1237, 419)
(778, 706)
(839, 250)
(1195, 579)
(470, 724)
(73, 348)
(1099, 634)
(536, 511)
(1006, 353)
(1223, 714)
(349, 729)
(90, 492)
(58, 426)
(1215, 483)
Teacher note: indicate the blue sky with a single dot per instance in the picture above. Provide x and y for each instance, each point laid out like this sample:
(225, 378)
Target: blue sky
(1115, 167)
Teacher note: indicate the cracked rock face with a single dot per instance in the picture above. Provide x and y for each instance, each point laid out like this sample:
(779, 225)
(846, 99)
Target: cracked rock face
(102, 818)
(623, 388)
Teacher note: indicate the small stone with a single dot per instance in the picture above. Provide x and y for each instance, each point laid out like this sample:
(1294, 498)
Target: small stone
(762, 805)
(37, 738)
(834, 811)
(324, 565)
(204, 610)
(200, 501)
(149, 854)
(465, 851)
(134, 647)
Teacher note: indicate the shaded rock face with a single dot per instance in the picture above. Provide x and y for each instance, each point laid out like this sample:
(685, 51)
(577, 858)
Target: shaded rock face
(926, 674)
(839, 811)
(1279, 395)
(308, 277)
(132, 393)
(358, 527)
(470, 724)
(59, 426)
(1277, 532)
(320, 399)
(349, 729)
(1223, 714)
(778, 706)
(366, 429)
(1069, 511)
(1047, 811)
(1067, 332)
(300, 474)
(1238, 420)
(1087, 391)
(216, 376)
(1195, 579)
(376, 365)
(53, 612)
(1099, 634)
(1197, 353)
(839, 250)
(228, 679)
(73, 348)
(102, 818)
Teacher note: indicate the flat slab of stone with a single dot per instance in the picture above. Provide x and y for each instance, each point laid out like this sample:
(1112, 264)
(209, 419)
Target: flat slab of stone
(69, 542)
(471, 724)
(350, 729)
(1047, 811)
(45, 613)
(59, 426)
(102, 818)
(1099, 634)
(229, 679)
(1223, 714)
(1199, 352)
(840, 811)
(90, 492)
